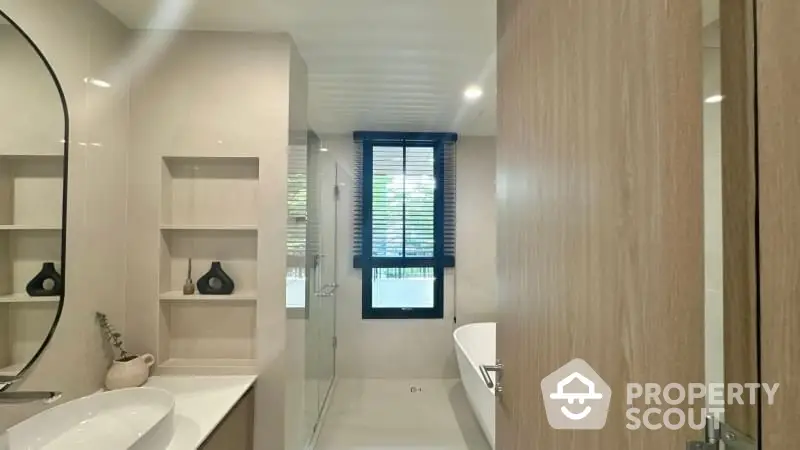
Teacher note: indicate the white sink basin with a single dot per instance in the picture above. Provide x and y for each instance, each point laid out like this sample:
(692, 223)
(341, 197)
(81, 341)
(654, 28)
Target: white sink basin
(136, 418)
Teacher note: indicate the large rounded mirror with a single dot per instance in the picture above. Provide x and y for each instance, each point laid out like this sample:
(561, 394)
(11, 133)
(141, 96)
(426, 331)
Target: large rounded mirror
(33, 154)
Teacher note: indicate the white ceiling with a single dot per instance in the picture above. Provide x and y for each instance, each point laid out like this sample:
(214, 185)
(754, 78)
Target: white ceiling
(395, 65)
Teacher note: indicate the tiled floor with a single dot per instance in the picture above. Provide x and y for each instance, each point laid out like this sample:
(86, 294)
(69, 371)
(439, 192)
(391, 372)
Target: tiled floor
(387, 415)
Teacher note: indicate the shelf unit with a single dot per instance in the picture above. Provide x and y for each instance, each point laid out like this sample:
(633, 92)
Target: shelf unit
(23, 326)
(25, 298)
(30, 190)
(30, 234)
(178, 296)
(181, 366)
(12, 370)
(209, 228)
(208, 213)
(30, 227)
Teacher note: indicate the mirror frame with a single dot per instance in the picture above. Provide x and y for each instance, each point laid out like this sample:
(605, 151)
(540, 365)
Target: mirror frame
(49, 337)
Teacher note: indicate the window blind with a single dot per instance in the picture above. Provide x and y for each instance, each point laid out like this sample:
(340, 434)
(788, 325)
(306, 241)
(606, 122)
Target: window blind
(405, 177)
(358, 201)
(448, 163)
(402, 202)
(297, 203)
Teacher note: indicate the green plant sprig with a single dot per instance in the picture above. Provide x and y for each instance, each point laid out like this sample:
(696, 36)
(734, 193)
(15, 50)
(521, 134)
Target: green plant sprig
(112, 335)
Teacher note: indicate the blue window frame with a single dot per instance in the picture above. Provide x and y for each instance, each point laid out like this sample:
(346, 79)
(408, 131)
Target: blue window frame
(404, 231)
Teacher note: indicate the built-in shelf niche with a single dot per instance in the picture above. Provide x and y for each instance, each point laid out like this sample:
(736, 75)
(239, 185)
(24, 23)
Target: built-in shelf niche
(240, 296)
(31, 190)
(207, 338)
(30, 228)
(209, 367)
(208, 227)
(30, 219)
(208, 212)
(236, 250)
(31, 187)
(25, 298)
(22, 253)
(23, 327)
(209, 193)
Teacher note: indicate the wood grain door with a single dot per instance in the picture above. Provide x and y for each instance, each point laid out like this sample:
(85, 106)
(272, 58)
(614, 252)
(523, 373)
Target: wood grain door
(600, 225)
(778, 67)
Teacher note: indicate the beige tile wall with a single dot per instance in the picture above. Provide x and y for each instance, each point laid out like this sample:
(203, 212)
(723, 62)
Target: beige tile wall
(217, 94)
(194, 99)
(82, 40)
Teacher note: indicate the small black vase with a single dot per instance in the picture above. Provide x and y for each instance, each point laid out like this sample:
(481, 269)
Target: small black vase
(215, 281)
(46, 283)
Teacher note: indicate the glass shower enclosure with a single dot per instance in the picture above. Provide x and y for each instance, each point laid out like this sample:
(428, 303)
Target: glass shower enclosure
(312, 288)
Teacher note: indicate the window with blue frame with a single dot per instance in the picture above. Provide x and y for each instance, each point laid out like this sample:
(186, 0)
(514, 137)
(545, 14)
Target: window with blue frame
(404, 230)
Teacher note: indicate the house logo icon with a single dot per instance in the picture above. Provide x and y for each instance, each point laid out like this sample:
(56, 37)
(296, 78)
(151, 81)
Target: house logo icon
(576, 398)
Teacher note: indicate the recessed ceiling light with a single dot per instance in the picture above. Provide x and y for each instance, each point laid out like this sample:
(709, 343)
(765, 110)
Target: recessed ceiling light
(715, 98)
(97, 82)
(473, 92)
(323, 149)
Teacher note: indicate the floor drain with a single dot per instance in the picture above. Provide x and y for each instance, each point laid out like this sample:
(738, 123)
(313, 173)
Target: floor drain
(415, 389)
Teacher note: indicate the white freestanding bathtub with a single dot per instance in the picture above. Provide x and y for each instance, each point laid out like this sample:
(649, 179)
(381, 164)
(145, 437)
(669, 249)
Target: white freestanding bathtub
(475, 346)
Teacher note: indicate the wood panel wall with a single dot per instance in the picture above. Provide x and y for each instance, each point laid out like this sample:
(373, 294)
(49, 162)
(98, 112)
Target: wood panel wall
(778, 71)
(600, 236)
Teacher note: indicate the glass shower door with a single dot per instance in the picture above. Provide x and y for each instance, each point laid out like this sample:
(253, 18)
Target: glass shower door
(319, 325)
(325, 322)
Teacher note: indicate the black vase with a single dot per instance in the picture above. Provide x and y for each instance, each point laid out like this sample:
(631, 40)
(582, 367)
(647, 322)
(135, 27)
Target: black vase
(46, 283)
(215, 281)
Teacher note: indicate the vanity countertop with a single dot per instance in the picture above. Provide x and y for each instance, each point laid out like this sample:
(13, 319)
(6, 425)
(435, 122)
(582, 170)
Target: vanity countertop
(201, 402)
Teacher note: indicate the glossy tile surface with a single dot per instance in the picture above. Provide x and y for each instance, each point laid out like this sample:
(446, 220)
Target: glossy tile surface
(386, 414)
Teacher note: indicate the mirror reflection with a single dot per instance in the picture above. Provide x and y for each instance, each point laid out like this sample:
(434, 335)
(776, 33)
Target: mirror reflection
(32, 142)
(729, 220)
(712, 186)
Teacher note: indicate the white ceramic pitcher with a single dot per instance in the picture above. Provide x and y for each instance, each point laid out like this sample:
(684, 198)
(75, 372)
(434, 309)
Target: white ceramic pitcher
(130, 373)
